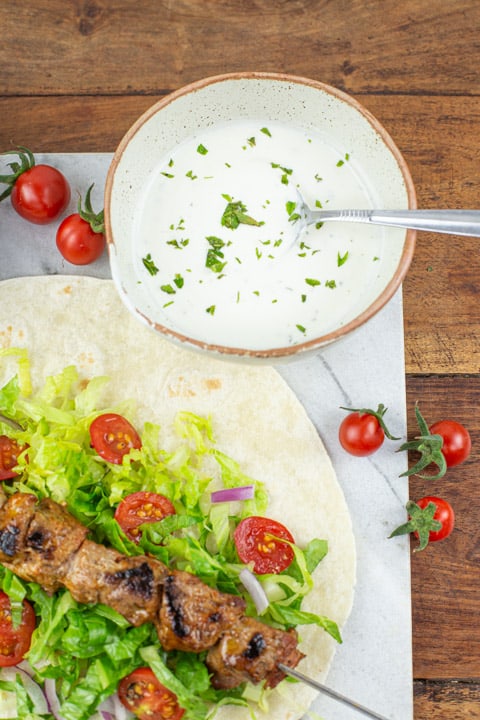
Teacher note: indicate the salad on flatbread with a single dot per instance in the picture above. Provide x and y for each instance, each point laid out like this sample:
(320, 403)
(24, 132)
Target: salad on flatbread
(246, 560)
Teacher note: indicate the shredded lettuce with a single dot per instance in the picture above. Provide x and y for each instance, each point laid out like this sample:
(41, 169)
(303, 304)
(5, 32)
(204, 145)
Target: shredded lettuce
(86, 649)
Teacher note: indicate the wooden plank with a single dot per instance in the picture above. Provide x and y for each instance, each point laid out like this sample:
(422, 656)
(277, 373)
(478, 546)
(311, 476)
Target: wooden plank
(437, 137)
(446, 631)
(118, 47)
(447, 701)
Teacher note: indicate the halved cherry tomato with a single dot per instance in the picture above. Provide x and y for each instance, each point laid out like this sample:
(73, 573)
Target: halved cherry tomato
(259, 540)
(145, 696)
(456, 441)
(142, 507)
(9, 452)
(113, 436)
(14, 642)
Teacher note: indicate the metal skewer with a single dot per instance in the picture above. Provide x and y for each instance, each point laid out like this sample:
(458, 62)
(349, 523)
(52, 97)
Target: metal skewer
(332, 693)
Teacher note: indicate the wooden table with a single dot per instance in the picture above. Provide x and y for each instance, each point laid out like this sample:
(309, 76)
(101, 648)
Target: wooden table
(75, 74)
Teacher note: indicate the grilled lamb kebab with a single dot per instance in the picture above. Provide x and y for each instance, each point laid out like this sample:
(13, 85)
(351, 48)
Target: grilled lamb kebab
(41, 542)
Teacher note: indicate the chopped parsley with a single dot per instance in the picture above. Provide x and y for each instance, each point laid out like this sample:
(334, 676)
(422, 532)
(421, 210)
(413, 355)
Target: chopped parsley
(215, 257)
(266, 131)
(179, 244)
(178, 280)
(236, 213)
(313, 282)
(342, 259)
(210, 310)
(150, 264)
(202, 150)
(251, 141)
(330, 284)
(302, 329)
(167, 289)
(168, 175)
(286, 172)
(190, 175)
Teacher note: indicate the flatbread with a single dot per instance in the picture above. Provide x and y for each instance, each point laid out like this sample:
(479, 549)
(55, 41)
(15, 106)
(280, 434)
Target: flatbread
(256, 419)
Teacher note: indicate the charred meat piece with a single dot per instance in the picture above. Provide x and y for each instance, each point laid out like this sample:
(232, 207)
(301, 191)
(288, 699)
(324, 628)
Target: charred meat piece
(250, 651)
(37, 541)
(193, 615)
(130, 585)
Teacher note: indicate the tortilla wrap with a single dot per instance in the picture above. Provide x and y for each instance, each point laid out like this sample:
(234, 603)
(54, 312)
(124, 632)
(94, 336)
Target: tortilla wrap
(256, 419)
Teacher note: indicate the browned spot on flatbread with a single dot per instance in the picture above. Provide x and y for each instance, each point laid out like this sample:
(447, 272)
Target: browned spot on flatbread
(180, 388)
(67, 289)
(6, 336)
(212, 383)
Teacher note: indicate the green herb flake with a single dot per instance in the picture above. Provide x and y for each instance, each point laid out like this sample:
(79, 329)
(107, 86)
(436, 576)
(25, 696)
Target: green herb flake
(190, 175)
(286, 172)
(150, 264)
(202, 150)
(304, 298)
(313, 282)
(318, 204)
(290, 206)
(167, 289)
(235, 214)
(215, 257)
(252, 142)
(168, 304)
(178, 280)
(179, 244)
(302, 329)
(210, 310)
(168, 175)
(330, 284)
(342, 259)
(318, 177)
(266, 131)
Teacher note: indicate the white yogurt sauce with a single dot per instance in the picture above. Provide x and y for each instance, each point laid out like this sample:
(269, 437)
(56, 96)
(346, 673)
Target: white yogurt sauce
(264, 287)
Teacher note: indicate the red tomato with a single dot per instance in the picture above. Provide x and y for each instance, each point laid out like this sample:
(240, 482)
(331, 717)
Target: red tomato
(457, 443)
(257, 540)
(144, 695)
(9, 452)
(77, 242)
(14, 642)
(444, 514)
(40, 194)
(139, 508)
(113, 436)
(360, 434)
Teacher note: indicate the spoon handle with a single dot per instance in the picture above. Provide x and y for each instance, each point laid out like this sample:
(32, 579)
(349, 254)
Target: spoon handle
(453, 222)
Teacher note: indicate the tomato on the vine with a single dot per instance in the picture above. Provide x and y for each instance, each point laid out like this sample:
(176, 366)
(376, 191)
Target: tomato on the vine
(39, 193)
(457, 443)
(143, 694)
(363, 431)
(14, 641)
(430, 519)
(445, 444)
(142, 507)
(113, 436)
(80, 237)
(260, 540)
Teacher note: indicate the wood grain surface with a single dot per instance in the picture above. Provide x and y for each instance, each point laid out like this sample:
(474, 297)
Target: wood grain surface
(77, 73)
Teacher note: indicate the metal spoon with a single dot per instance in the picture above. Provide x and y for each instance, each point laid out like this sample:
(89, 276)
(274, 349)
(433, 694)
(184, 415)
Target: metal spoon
(453, 222)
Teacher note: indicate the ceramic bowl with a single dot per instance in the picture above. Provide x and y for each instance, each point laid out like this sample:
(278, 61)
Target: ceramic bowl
(233, 149)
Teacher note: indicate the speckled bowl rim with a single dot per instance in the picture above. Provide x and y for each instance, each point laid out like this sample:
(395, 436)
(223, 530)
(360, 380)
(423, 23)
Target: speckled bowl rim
(309, 346)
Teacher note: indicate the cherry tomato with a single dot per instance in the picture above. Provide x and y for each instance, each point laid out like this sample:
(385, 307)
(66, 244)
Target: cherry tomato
(113, 436)
(361, 434)
(457, 443)
(257, 540)
(80, 237)
(444, 514)
(77, 242)
(142, 507)
(9, 452)
(40, 194)
(144, 695)
(14, 642)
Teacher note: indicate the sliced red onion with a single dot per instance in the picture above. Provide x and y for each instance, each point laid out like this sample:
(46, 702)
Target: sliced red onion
(33, 689)
(254, 588)
(246, 492)
(52, 698)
